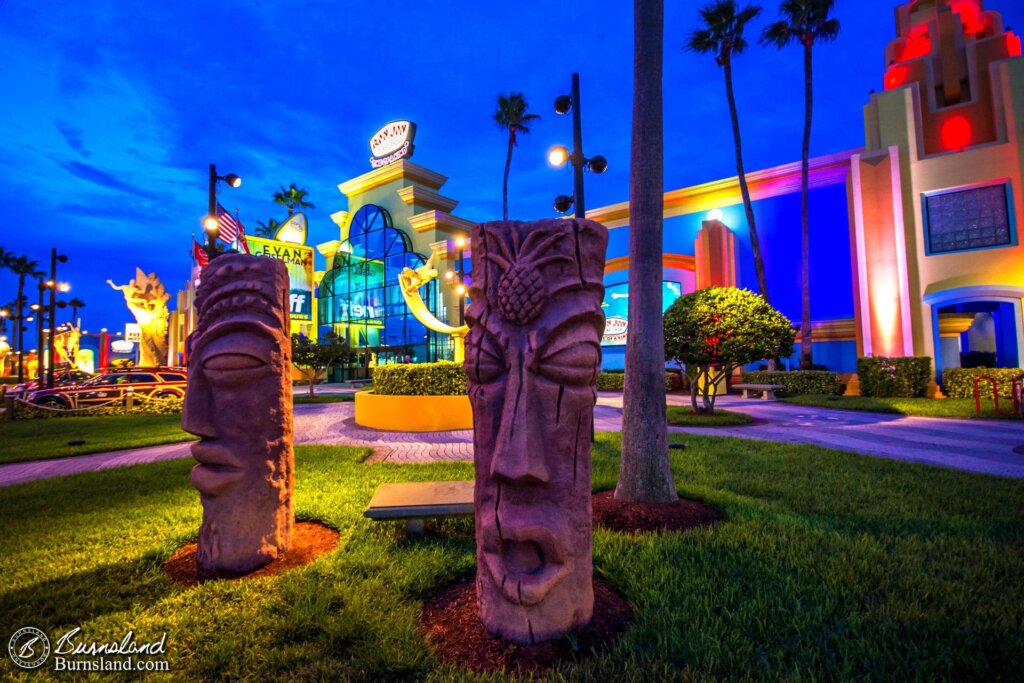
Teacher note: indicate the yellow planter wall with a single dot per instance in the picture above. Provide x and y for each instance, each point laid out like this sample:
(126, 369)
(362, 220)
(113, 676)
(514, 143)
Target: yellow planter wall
(413, 413)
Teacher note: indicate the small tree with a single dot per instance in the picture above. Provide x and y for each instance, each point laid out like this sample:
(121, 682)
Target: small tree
(715, 330)
(314, 360)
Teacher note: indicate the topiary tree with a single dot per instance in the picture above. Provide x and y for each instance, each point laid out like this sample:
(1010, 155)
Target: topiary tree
(314, 360)
(713, 331)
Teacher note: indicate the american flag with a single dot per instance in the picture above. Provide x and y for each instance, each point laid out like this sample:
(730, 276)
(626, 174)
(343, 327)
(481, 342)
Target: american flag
(228, 225)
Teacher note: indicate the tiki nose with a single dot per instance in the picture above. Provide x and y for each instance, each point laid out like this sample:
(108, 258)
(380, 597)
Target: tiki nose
(519, 455)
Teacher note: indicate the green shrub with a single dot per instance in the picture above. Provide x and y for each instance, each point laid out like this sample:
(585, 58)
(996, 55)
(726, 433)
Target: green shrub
(900, 377)
(163, 405)
(614, 380)
(8, 379)
(799, 381)
(444, 378)
(959, 382)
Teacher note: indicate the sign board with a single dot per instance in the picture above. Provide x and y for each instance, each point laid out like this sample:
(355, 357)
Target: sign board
(292, 230)
(299, 259)
(132, 332)
(616, 310)
(122, 346)
(392, 142)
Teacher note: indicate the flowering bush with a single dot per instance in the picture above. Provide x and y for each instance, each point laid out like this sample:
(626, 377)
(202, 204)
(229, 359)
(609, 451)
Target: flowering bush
(896, 377)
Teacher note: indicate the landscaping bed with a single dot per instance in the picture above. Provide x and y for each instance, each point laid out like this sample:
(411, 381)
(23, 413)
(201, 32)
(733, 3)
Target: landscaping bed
(684, 416)
(923, 407)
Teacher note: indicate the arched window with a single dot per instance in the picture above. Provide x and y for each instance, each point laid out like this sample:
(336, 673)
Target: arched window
(360, 299)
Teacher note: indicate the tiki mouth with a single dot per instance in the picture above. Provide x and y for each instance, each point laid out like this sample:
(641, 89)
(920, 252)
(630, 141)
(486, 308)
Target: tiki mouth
(525, 562)
(218, 468)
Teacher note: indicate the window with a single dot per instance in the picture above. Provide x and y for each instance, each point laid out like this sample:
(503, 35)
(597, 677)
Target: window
(141, 379)
(172, 377)
(960, 220)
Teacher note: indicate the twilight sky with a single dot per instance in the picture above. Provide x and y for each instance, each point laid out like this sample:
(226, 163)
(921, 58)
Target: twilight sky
(114, 110)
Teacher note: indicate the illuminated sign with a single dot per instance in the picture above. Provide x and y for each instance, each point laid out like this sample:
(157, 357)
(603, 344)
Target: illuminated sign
(132, 332)
(616, 310)
(392, 142)
(299, 259)
(122, 346)
(292, 230)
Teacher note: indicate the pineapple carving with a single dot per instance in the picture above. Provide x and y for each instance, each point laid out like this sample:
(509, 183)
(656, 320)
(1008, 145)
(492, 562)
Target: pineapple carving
(520, 295)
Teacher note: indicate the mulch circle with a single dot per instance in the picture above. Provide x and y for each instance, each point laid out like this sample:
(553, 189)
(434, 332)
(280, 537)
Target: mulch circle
(310, 540)
(679, 515)
(451, 623)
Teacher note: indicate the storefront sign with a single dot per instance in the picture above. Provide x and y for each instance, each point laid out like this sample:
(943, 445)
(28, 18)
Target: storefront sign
(132, 332)
(616, 310)
(299, 259)
(392, 142)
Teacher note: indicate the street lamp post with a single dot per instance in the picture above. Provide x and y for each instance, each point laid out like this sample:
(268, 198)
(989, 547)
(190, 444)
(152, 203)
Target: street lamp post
(211, 223)
(457, 278)
(54, 258)
(559, 155)
(40, 316)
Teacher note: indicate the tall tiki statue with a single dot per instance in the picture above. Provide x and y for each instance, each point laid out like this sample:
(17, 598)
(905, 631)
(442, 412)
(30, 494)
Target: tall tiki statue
(239, 402)
(147, 298)
(532, 357)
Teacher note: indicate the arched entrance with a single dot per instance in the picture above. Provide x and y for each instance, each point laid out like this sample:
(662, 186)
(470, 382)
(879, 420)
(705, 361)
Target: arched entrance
(977, 327)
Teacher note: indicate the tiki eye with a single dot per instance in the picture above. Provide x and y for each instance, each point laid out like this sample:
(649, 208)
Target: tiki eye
(575, 365)
(226, 362)
(484, 362)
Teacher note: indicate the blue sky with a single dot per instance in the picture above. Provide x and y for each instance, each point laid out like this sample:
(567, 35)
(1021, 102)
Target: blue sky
(114, 110)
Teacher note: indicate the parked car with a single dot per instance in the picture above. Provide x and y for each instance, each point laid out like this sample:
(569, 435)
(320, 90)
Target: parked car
(61, 378)
(111, 386)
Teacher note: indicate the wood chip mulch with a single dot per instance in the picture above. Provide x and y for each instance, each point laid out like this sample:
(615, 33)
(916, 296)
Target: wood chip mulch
(452, 626)
(678, 515)
(310, 540)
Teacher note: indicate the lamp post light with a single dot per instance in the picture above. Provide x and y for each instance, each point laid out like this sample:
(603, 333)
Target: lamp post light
(559, 155)
(457, 278)
(211, 224)
(54, 259)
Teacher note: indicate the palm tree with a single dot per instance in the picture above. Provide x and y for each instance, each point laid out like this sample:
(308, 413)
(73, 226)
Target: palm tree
(511, 115)
(268, 229)
(293, 198)
(804, 22)
(75, 303)
(644, 471)
(722, 36)
(24, 269)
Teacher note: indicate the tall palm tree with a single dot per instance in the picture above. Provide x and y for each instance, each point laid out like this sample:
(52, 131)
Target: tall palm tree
(644, 471)
(24, 269)
(293, 198)
(75, 303)
(804, 22)
(512, 115)
(268, 229)
(722, 35)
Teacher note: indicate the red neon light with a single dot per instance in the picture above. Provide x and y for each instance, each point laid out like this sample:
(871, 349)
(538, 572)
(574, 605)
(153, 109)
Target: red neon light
(916, 47)
(969, 15)
(1012, 44)
(895, 76)
(956, 132)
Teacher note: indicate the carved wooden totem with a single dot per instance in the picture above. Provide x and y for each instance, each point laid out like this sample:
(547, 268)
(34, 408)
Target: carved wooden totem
(239, 402)
(532, 357)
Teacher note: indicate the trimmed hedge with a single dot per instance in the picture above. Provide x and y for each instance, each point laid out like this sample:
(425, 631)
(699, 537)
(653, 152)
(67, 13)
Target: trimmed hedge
(141, 405)
(614, 380)
(959, 382)
(895, 377)
(799, 381)
(443, 378)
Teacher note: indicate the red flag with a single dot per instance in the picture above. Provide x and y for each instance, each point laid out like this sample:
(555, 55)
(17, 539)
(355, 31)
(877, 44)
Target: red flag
(242, 241)
(199, 254)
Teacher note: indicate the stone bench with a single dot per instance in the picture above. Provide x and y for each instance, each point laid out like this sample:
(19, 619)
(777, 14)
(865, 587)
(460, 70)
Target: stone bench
(416, 501)
(765, 391)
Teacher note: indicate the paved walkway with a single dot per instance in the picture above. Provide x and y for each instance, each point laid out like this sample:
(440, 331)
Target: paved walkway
(976, 446)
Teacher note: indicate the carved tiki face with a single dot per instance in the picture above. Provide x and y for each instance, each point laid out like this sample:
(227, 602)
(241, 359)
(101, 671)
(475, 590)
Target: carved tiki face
(532, 357)
(239, 402)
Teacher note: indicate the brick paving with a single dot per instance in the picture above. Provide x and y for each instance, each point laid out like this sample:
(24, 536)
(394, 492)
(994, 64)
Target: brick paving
(977, 446)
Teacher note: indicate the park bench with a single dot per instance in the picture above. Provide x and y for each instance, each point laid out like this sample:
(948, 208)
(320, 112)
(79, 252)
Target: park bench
(414, 502)
(765, 391)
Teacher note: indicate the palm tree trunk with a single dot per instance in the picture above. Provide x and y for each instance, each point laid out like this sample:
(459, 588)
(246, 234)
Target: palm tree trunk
(644, 470)
(748, 207)
(504, 184)
(806, 356)
(19, 333)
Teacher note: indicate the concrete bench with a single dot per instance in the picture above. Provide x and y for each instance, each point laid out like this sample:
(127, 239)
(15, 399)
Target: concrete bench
(415, 502)
(765, 391)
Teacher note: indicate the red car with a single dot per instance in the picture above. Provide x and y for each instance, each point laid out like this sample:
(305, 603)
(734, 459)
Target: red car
(60, 378)
(112, 386)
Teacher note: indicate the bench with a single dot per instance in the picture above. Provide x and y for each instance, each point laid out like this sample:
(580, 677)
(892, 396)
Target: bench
(414, 502)
(765, 391)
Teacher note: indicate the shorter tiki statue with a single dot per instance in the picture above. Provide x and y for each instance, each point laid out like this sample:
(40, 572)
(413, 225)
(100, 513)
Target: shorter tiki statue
(239, 402)
(532, 357)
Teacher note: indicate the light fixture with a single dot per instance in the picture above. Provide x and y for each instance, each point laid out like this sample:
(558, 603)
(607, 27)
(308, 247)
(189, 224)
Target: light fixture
(558, 155)
(460, 242)
(64, 287)
(598, 164)
(210, 223)
(232, 180)
(460, 289)
(449, 275)
(714, 215)
(563, 203)
(563, 103)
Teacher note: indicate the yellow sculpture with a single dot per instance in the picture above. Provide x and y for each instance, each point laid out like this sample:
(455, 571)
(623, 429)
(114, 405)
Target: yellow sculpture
(67, 344)
(411, 281)
(147, 300)
(5, 349)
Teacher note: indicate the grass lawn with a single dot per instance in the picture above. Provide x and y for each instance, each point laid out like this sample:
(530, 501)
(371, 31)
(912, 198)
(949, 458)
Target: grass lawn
(830, 565)
(322, 398)
(925, 407)
(684, 415)
(42, 439)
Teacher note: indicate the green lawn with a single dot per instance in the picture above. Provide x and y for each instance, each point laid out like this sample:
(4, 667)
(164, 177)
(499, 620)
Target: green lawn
(22, 440)
(926, 407)
(684, 415)
(831, 566)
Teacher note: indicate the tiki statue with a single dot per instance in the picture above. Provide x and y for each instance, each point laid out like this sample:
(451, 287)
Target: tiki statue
(532, 357)
(239, 402)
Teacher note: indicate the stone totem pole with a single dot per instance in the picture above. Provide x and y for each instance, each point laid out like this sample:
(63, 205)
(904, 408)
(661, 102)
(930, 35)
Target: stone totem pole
(239, 402)
(532, 358)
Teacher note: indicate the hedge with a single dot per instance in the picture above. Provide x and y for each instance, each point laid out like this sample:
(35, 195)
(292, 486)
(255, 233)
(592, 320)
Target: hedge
(163, 405)
(897, 377)
(443, 378)
(614, 380)
(799, 381)
(959, 382)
